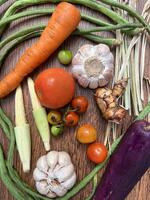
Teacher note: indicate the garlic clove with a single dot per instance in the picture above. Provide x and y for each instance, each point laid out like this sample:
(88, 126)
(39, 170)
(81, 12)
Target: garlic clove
(42, 164)
(64, 158)
(93, 83)
(108, 73)
(51, 194)
(107, 61)
(83, 80)
(39, 175)
(68, 184)
(52, 159)
(86, 50)
(57, 188)
(51, 174)
(78, 59)
(42, 187)
(78, 70)
(64, 173)
(101, 50)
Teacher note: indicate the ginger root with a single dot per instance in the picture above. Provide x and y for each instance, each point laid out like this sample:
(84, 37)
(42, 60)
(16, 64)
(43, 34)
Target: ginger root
(107, 100)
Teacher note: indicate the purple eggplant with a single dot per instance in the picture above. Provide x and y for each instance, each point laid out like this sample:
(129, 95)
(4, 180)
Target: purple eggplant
(127, 165)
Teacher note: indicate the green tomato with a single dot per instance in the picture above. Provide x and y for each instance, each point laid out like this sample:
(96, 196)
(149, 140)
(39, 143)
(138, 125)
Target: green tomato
(56, 130)
(65, 57)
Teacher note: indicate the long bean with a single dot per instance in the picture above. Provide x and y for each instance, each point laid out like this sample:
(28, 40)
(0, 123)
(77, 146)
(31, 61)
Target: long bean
(94, 38)
(16, 42)
(34, 34)
(18, 195)
(2, 2)
(131, 11)
(94, 188)
(45, 11)
(99, 39)
(87, 3)
(111, 28)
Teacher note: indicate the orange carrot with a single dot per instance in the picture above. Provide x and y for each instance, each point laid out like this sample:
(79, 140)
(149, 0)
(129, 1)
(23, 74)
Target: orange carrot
(63, 22)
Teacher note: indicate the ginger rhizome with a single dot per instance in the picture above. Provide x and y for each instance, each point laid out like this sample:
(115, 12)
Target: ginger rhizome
(107, 101)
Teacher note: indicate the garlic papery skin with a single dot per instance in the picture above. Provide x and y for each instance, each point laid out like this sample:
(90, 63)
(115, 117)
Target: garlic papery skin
(93, 66)
(54, 174)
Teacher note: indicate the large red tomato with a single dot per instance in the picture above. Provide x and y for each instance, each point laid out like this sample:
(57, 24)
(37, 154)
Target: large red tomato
(55, 87)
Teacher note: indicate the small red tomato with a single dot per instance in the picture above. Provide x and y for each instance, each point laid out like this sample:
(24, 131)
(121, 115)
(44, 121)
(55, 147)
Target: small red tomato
(97, 152)
(80, 103)
(71, 119)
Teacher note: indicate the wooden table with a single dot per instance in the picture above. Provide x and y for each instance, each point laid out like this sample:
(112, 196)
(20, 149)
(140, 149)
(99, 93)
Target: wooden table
(67, 141)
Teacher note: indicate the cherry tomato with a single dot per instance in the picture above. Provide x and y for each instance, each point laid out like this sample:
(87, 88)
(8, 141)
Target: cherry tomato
(54, 117)
(71, 119)
(80, 103)
(97, 152)
(86, 134)
(55, 87)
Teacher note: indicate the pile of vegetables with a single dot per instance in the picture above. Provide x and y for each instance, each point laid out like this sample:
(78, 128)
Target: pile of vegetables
(21, 190)
(136, 139)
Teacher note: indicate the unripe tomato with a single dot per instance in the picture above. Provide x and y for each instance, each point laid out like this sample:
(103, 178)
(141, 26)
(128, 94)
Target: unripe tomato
(97, 152)
(86, 134)
(65, 57)
(71, 119)
(56, 130)
(54, 117)
(55, 87)
(80, 103)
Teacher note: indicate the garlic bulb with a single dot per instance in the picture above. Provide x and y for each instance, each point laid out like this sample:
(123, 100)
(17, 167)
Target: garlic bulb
(93, 65)
(54, 174)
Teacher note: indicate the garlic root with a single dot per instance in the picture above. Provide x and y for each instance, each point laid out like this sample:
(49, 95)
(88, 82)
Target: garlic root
(107, 101)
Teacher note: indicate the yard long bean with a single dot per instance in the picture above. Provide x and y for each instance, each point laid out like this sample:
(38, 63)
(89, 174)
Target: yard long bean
(7, 180)
(92, 37)
(16, 42)
(131, 11)
(87, 3)
(45, 11)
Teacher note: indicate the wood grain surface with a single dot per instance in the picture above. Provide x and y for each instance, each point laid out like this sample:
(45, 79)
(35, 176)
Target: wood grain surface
(67, 141)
